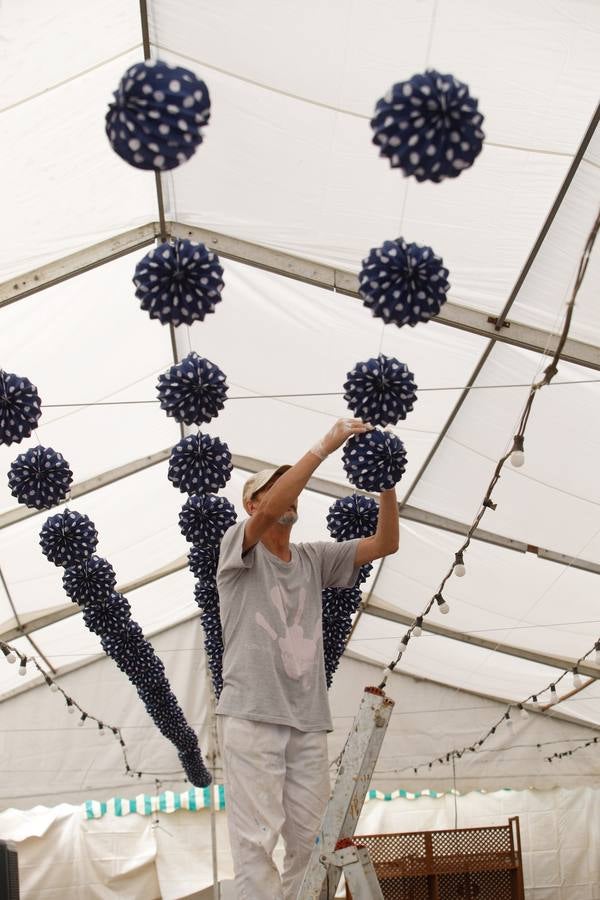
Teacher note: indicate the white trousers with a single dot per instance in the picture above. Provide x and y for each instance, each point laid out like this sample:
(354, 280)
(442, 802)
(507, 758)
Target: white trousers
(276, 782)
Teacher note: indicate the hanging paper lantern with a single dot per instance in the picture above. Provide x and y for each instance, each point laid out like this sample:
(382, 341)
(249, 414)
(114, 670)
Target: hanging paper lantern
(374, 461)
(403, 283)
(157, 116)
(179, 282)
(204, 519)
(200, 464)
(90, 579)
(194, 768)
(352, 517)
(428, 126)
(107, 615)
(20, 408)
(203, 562)
(193, 391)
(40, 478)
(380, 391)
(68, 537)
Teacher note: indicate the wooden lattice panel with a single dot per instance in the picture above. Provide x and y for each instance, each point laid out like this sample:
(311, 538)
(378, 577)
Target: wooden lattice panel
(459, 864)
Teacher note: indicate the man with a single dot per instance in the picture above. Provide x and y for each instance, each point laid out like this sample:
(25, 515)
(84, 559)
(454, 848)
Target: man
(273, 710)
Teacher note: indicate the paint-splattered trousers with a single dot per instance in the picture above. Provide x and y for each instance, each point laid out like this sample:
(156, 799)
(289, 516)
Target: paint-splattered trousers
(276, 782)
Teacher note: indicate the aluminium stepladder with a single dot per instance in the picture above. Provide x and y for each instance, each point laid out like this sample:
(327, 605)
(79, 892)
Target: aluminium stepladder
(334, 851)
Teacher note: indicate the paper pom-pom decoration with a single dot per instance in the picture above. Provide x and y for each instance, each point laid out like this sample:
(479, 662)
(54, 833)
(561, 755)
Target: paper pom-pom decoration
(203, 562)
(179, 282)
(129, 649)
(68, 537)
(204, 519)
(107, 615)
(365, 571)
(194, 768)
(428, 126)
(380, 391)
(403, 283)
(200, 464)
(91, 579)
(193, 391)
(157, 116)
(213, 644)
(374, 461)
(352, 517)
(40, 478)
(20, 408)
(339, 605)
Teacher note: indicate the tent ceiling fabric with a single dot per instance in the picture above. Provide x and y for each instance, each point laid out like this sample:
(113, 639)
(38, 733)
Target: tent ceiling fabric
(288, 164)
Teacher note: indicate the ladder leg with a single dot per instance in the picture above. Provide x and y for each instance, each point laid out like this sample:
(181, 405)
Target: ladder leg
(360, 874)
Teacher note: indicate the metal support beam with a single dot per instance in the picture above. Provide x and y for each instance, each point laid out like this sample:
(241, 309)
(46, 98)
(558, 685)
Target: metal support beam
(452, 314)
(65, 612)
(456, 316)
(76, 263)
(380, 610)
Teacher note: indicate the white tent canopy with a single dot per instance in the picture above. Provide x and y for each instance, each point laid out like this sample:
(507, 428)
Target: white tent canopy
(290, 191)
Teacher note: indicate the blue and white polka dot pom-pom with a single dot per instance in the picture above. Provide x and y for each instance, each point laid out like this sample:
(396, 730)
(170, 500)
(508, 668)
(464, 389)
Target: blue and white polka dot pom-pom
(40, 478)
(200, 464)
(374, 461)
(403, 283)
(129, 649)
(20, 408)
(89, 580)
(203, 562)
(428, 126)
(380, 391)
(204, 519)
(157, 116)
(179, 282)
(352, 517)
(107, 615)
(68, 537)
(193, 391)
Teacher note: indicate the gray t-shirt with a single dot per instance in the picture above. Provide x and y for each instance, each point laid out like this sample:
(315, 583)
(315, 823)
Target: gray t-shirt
(273, 668)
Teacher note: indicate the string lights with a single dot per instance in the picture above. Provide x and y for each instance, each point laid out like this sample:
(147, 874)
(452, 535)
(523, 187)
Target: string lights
(516, 455)
(507, 718)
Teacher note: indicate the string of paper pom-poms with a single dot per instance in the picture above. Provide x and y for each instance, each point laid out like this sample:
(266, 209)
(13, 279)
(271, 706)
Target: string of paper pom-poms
(515, 454)
(508, 716)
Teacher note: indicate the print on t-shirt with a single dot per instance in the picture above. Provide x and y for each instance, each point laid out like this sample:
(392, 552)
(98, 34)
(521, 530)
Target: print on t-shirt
(298, 653)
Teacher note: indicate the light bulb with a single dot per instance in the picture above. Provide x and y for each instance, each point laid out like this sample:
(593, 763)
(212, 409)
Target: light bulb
(23, 665)
(101, 729)
(553, 693)
(10, 657)
(524, 713)
(418, 627)
(509, 721)
(442, 605)
(70, 707)
(535, 702)
(81, 722)
(517, 457)
(53, 687)
(459, 565)
(402, 646)
(577, 682)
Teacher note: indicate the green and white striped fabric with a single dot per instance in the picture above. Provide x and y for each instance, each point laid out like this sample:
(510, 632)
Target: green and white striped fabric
(147, 804)
(197, 799)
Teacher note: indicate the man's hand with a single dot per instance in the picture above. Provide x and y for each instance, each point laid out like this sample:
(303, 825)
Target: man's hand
(338, 435)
